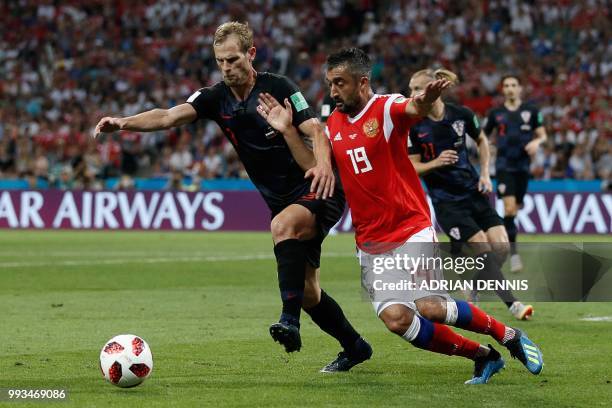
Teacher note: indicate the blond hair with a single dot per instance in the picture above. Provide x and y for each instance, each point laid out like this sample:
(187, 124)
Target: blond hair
(439, 73)
(242, 31)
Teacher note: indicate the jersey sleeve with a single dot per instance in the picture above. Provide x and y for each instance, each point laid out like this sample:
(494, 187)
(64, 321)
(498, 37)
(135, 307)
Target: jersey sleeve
(205, 101)
(490, 123)
(537, 119)
(472, 125)
(301, 110)
(414, 147)
(395, 116)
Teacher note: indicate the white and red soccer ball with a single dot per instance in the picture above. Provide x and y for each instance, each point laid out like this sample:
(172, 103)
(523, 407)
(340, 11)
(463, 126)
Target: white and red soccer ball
(126, 360)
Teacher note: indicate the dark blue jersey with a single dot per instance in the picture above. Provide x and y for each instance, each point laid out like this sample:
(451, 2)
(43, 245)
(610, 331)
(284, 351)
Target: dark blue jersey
(263, 151)
(514, 130)
(429, 138)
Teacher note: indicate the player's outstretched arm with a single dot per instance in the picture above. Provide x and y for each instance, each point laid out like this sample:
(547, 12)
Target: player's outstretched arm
(155, 119)
(281, 118)
(424, 101)
(484, 155)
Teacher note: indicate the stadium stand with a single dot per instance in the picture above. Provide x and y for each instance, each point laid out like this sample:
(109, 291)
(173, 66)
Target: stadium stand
(64, 64)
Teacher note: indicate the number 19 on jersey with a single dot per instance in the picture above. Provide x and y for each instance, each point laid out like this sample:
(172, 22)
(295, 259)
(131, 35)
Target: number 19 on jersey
(360, 161)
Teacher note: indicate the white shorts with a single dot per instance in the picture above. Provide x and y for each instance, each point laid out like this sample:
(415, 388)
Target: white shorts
(388, 281)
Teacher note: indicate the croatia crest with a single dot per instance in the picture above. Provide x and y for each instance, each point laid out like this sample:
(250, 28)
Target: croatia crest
(526, 115)
(459, 127)
(454, 232)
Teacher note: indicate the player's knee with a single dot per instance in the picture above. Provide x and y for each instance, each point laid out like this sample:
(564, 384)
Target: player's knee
(479, 243)
(434, 310)
(479, 237)
(510, 209)
(399, 325)
(397, 320)
(282, 229)
(501, 251)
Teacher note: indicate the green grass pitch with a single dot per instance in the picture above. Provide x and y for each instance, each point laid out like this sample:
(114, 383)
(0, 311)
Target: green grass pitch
(204, 302)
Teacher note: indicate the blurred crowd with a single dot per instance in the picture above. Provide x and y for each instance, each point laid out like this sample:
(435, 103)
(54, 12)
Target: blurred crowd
(65, 64)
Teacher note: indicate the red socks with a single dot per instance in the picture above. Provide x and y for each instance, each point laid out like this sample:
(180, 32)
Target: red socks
(470, 317)
(483, 323)
(446, 341)
(439, 338)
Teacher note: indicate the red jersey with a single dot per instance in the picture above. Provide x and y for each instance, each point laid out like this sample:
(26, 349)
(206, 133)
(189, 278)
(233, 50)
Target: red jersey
(382, 187)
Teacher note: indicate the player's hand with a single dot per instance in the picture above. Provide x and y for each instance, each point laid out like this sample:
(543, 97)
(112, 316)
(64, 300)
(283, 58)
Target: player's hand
(484, 184)
(279, 117)
(107, 125)
(323, 180)
(433, 90)
(446, 158)
(532, 147)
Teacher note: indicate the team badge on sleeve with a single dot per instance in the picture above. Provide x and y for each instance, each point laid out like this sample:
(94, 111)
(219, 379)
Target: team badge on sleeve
(371, 127)
(299, 101)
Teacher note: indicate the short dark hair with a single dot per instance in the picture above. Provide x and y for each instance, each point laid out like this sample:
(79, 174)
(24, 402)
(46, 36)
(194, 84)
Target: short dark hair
(356, 60)
(510, 75)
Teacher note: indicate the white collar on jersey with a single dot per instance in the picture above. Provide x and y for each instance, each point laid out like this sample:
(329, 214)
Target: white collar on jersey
(364, 110)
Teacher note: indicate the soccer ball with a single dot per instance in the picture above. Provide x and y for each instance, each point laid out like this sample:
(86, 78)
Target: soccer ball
(126, 360)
